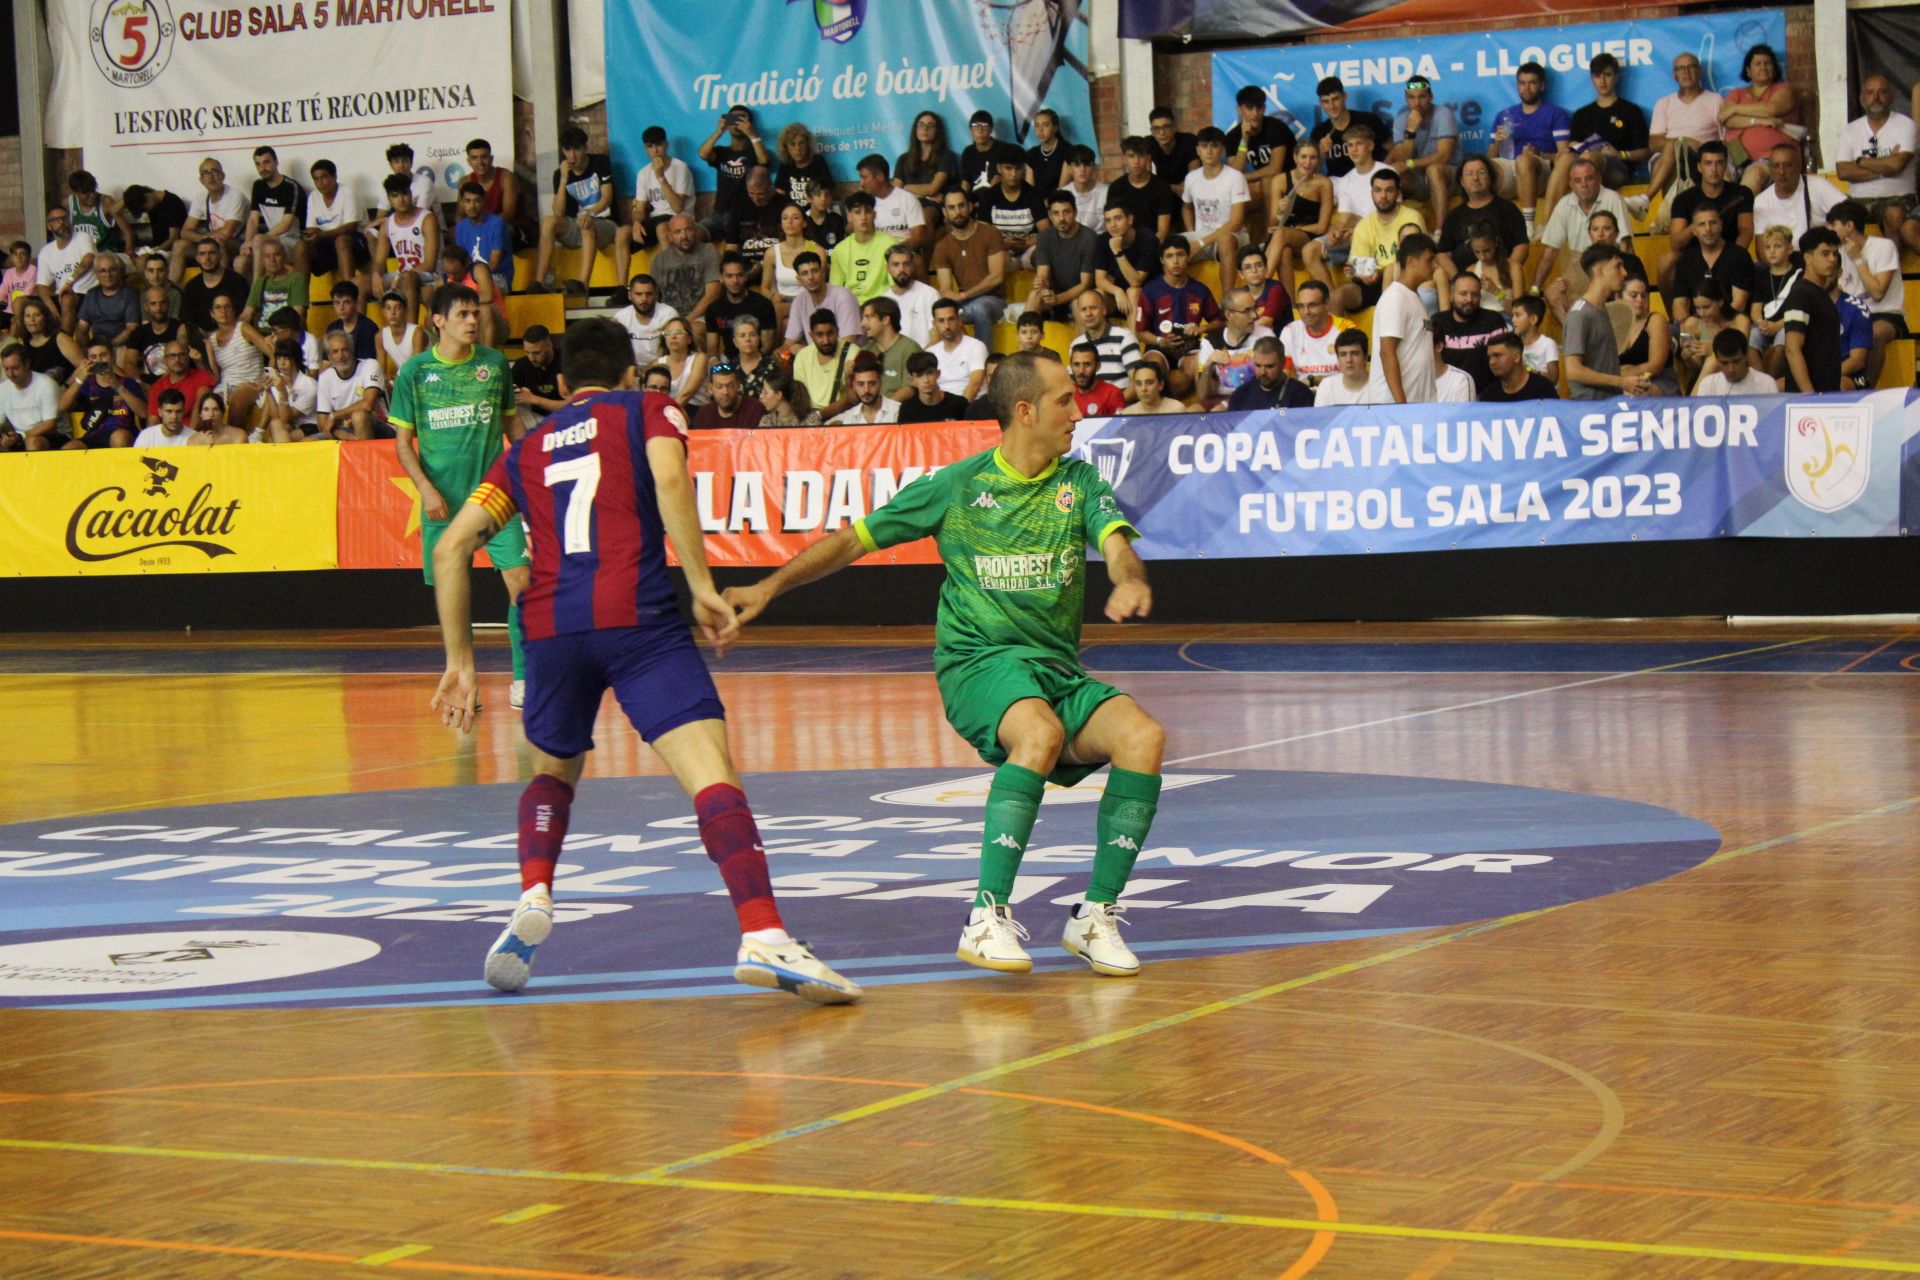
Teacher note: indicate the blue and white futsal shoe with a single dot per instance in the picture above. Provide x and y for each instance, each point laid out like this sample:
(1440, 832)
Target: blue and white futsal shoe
(792, 967)
(510, 959)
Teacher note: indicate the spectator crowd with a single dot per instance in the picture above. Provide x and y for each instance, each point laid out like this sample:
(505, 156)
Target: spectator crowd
(1372, 261)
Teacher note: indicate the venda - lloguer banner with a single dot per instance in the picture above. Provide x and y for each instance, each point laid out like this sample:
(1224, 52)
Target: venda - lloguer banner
(155, 85)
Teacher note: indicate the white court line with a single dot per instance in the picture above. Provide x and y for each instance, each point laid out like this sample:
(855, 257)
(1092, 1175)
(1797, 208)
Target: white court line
(1486, 702)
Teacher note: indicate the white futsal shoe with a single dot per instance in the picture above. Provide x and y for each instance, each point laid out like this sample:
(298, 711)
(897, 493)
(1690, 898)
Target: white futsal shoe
(992, 940)
(1093, 934)
(792, 967)
(517, 694)
(510, 959)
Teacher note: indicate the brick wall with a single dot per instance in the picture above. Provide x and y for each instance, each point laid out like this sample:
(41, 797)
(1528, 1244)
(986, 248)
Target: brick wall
(1106, 124)
(12, 209)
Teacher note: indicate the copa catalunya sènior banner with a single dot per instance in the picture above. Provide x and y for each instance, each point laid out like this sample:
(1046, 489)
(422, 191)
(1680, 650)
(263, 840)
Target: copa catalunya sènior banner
(147, 88)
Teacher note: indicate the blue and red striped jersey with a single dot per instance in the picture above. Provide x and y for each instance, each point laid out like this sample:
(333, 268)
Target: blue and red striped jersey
(582, 481)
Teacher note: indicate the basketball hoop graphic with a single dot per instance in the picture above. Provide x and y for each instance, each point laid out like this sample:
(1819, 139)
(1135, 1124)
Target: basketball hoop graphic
(1032, 34)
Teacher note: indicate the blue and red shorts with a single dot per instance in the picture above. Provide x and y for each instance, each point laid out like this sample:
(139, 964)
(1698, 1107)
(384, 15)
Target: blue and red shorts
(655, 672)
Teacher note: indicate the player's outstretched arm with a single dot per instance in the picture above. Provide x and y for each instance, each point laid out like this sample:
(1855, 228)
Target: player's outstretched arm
(673, 489)
(1131, 597)
(458, 696)
(829, 555)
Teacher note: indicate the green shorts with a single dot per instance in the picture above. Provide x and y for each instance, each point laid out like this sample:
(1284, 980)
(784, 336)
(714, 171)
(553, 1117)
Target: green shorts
(978, 690)
(507, 548)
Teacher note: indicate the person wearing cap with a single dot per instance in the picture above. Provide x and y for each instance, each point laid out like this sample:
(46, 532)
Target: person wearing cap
(1426, 147)
(977, 161)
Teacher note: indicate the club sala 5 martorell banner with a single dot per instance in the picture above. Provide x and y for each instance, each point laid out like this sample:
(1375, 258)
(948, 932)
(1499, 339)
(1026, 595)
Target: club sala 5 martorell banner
(147, 88)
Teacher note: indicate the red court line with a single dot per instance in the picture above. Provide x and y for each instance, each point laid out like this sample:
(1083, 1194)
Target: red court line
(1874, 653)
(309, 133)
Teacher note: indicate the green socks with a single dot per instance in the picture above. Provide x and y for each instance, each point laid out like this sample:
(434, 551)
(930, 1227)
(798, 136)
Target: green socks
(513, 638)
(1126, 811)
(1013, 802)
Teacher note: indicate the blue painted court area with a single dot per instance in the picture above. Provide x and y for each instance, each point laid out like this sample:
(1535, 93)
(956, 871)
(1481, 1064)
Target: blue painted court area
(392, 898)
(1863, 654)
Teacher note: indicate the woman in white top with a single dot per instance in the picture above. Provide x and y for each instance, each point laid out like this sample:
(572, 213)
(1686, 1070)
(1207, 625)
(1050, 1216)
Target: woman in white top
(288, 406)
(400, 338)
(238, 351)
(688, 366)
(777, 278)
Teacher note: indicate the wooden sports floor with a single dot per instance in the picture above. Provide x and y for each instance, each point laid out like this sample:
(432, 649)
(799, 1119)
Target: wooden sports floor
(1715, 1073)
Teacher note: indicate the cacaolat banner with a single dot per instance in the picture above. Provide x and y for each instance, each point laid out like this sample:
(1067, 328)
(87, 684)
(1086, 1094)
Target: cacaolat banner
(856, 73)
(148, 87)
(237, 509)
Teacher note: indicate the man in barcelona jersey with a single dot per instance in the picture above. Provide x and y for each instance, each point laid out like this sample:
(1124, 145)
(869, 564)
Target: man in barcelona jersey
(603, 484)
(452, 405)
(1011, 525)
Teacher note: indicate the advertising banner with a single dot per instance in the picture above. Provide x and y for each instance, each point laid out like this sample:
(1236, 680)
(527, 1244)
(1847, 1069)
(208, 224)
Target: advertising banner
(1266, 19)
(764, 496)
(856, 73)
(1439, 477)
(1474, 73)
(149, 87)
(380, 509)
(185, 509)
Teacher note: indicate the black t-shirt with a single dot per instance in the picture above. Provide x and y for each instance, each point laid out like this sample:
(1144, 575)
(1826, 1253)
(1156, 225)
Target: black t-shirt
(976, 166)
(583, 189)
(196, 298)
(757, 229)
(1146, 204)
(730, 166)
(1732, 201)
(1734, 270)
(1290, 394)
(151, 340)
(1505, 216)
(1272, 136)
(1808, 310)
(829, 233)
(275, 203)
(1017, 216)
(796, 180)
(166, 217)
(1047, 168)
(1143, 254)
(1623, 126)
(366, 338)
(1535, 388)
(1466, 340)
(540, 380)
(1172, 166)
(723, 312)
(1338, 165)
(950, 408)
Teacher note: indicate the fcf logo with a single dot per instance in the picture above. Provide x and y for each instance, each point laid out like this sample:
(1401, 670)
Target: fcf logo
(1829, 453)
(131, 40)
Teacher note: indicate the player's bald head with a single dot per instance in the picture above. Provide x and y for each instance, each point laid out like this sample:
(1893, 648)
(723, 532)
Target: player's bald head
(1021, 377)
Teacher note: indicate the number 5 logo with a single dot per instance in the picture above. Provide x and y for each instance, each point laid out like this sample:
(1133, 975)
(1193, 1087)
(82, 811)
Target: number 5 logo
(132, 40)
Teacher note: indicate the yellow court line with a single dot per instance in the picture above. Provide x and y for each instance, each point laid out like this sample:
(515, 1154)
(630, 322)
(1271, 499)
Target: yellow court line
(1132, 1212)
(527, 1214)
(394, 1254)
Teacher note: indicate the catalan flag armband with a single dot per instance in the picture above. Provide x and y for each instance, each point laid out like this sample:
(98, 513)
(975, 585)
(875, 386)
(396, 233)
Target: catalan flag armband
(495, 501)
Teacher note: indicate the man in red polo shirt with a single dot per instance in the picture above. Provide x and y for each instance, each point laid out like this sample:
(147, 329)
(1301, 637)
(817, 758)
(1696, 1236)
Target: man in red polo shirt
(1096, 399)
(181, 375)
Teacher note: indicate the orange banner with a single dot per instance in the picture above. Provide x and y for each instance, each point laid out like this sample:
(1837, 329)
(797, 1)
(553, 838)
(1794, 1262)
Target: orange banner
(764, 495)
(379, 509)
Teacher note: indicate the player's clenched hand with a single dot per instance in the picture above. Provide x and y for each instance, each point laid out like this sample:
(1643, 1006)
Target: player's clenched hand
(1130, 600)
(717, 621)
(458, 698)
(435, 505)
(746, 602)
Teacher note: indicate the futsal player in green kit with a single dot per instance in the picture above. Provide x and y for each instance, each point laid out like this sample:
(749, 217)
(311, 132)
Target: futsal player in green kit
(1011, 525)
(451, 407)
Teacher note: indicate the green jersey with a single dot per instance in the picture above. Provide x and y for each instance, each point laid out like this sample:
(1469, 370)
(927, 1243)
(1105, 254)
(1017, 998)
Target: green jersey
(459, 410)
(1013, 548)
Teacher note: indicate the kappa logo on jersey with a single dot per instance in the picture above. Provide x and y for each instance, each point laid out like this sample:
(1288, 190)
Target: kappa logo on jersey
(433, 377)
(1124, 842)
(1006, 841)
(986, 502)
(1065, 497)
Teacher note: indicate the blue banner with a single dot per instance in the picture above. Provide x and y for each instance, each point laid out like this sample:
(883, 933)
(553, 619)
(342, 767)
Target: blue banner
(1474, 73)
(855, 73)
(1433, 477)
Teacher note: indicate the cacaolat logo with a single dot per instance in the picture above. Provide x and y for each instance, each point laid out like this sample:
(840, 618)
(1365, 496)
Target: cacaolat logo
(110, 522)
(838, 22)
(131, 40)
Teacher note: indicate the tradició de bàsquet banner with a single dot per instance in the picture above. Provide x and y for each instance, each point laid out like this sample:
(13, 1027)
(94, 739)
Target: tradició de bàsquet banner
(148, 87)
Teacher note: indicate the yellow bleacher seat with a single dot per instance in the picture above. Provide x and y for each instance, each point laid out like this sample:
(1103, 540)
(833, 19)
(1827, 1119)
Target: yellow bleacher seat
(1898, 370)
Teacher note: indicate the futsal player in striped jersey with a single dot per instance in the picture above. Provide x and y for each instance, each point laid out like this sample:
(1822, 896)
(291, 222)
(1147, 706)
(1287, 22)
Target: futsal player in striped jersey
(603, 483)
